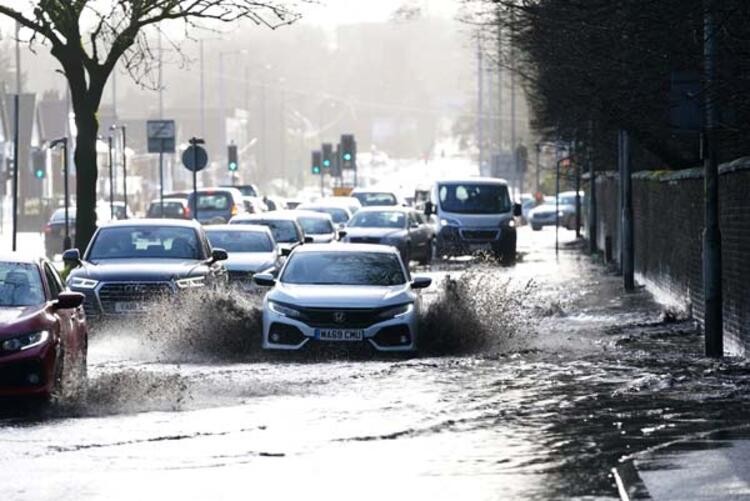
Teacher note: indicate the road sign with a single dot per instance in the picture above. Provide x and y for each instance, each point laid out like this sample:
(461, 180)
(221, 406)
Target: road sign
(195, 158)
(161, 136)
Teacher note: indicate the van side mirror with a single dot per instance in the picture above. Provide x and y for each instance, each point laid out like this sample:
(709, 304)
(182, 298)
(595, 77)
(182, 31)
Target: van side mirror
(517, 211)
(72, 258)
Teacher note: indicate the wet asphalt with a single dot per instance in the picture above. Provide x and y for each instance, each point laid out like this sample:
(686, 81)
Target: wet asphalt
(533, 382)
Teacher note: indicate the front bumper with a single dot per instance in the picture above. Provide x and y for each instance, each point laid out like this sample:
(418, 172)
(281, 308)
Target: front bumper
(289, 334)
(30, 372)
(119, 299)
(459, 240)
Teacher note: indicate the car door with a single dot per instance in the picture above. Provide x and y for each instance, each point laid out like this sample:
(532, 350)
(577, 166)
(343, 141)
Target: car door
(416, 236)
(217, 272)
(68, 318)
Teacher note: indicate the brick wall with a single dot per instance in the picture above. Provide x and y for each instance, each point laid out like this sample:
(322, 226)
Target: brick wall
(668, 219)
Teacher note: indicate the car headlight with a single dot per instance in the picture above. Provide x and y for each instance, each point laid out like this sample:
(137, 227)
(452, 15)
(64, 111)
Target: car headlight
(20, 343)
(510, 223)
(83, 283)
(560, 213)
(397, 311)
(449, 222)
(283, 310)
(190, 283)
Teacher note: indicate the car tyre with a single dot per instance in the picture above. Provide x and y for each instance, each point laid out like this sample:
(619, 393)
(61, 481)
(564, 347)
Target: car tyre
(508, 250)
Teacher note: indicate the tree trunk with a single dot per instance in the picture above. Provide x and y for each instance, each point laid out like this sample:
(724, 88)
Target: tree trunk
(86, 174)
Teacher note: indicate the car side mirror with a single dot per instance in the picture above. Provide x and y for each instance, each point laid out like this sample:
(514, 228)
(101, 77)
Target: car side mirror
(517, 210)
(421, 282)
(264, 279)
(285, 251)
(342, 234)
(429, 209)
(68, 300)
(72, 258)
(219, 255)
(309, 240)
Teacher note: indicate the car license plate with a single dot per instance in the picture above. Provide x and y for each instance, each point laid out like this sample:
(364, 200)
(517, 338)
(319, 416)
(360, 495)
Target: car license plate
(339, 334)
(129, 307)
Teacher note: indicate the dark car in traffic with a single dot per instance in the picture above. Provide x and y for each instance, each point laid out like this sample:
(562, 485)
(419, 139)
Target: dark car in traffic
(129, 264)
(172, 208)
(283, 224)
(216, 205)
(251, 249)
(400, 227)
(43, 330)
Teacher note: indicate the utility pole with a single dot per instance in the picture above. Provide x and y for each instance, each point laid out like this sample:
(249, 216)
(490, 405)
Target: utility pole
(513, 138)
(124, 170)
(538, 153)
(111, 179)
(626, 214)
(202, 92)
(712, 294)
(161, 80)
(500, 91)
(592, 216)
(16, 131)
(480, 104)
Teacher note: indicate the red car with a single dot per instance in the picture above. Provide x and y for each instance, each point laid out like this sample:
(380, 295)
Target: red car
(43, 332)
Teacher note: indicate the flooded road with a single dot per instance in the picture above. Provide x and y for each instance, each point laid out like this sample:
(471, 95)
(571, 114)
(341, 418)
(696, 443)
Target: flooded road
(534, 381)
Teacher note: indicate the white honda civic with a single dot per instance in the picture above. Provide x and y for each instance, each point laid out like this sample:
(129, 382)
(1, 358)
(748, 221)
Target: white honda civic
(342, 293)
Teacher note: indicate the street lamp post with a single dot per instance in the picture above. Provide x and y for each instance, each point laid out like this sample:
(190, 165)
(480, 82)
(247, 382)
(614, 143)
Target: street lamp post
(124, 172)
(67, 243)
(111, 179)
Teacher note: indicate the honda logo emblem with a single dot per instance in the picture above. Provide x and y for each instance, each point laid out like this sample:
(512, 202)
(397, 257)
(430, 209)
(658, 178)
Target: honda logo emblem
(339, 317)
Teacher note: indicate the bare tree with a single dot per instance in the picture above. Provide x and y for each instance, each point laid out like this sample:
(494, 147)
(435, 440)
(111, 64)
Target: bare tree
(89, 37)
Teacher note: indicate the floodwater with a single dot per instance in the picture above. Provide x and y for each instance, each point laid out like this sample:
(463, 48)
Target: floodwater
(534, 381)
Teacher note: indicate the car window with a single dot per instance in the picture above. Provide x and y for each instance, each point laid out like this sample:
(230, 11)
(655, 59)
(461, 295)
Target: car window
(55, 286)
(240, 241)
(171, 209)
(283, 231)
(471, 198)
(344, 268)
(371, 198)
(129, 242)
(379, 219)
(20, 284)
(214, 201)
(315, 226)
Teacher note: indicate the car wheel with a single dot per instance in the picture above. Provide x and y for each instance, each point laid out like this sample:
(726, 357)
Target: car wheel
(536, 227)
(508, 251)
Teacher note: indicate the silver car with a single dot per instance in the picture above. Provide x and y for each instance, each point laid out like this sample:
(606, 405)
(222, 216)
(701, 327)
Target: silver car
(352, 294)
(250, 248)
(316, 225)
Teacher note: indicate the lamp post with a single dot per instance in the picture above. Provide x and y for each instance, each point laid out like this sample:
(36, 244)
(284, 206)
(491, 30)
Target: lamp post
(124, 172)
(67, 244)
(111, 179)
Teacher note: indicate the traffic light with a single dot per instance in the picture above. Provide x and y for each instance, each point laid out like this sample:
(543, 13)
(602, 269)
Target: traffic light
(232, 158)
(348, 149)
(327, 155)
(316, 160)
(39, 163)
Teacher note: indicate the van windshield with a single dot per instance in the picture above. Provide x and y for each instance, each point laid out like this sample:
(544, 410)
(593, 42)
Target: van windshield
(474, 198)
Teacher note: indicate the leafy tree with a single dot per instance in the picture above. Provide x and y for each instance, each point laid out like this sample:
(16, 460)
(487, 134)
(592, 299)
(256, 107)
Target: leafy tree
(613, 63)
(89, 37)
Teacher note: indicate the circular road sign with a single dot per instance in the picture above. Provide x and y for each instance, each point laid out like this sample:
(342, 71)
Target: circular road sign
(194, 158)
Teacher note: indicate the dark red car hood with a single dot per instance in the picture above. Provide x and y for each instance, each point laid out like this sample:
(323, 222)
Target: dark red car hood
(19, 319)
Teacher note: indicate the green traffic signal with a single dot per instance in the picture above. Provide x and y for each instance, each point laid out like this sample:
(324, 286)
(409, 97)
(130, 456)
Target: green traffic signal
(39, 174)
(326, 163)
(347, 156)
(316, 169)
(232, 166)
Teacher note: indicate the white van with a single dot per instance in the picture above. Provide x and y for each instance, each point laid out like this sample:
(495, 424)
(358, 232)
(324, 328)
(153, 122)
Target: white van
(474, 213)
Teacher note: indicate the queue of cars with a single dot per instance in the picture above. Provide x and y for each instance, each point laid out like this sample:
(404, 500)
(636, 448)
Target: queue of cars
(337, 270)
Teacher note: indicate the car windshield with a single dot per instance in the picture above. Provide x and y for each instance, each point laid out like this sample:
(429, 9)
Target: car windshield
(344, 268)
(20, 284)
(337, 214)
(171, 209)
(379, 219)
(315, 226)
(132, 242)
(567, 199)
(214, 201)
(474, 198)
(283, 231)
(240, 241)
(372, 198)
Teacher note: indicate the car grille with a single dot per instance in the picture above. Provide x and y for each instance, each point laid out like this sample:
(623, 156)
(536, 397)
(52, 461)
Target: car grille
(479, 234)
(115, 292)
(364, 240)
(352, 318)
